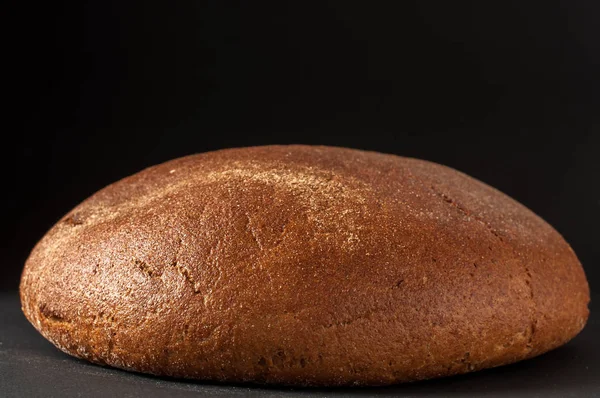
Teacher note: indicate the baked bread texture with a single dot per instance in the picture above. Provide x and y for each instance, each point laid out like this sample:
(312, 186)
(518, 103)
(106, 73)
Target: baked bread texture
(303, 265)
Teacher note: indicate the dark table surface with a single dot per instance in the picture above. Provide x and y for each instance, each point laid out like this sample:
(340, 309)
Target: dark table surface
(32, 367)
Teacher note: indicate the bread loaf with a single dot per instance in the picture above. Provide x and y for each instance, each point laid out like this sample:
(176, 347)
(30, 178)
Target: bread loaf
(303, 265)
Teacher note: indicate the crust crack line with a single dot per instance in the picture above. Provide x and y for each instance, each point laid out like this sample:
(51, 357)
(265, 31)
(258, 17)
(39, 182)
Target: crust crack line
(183, 270)
(527, 277)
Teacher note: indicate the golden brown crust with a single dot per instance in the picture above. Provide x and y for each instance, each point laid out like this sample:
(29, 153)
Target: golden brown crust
(303, 265)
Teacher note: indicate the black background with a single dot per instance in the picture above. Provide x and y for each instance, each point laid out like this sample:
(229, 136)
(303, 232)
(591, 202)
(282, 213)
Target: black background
(504, 91)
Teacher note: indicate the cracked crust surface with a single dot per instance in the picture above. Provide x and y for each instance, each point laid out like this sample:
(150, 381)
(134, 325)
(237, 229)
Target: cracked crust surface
(303, 265)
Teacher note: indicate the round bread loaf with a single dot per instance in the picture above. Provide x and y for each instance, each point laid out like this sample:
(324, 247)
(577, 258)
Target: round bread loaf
(303, 265)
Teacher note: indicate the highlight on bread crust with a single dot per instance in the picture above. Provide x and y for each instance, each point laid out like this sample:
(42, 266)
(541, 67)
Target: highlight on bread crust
(303, 265)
